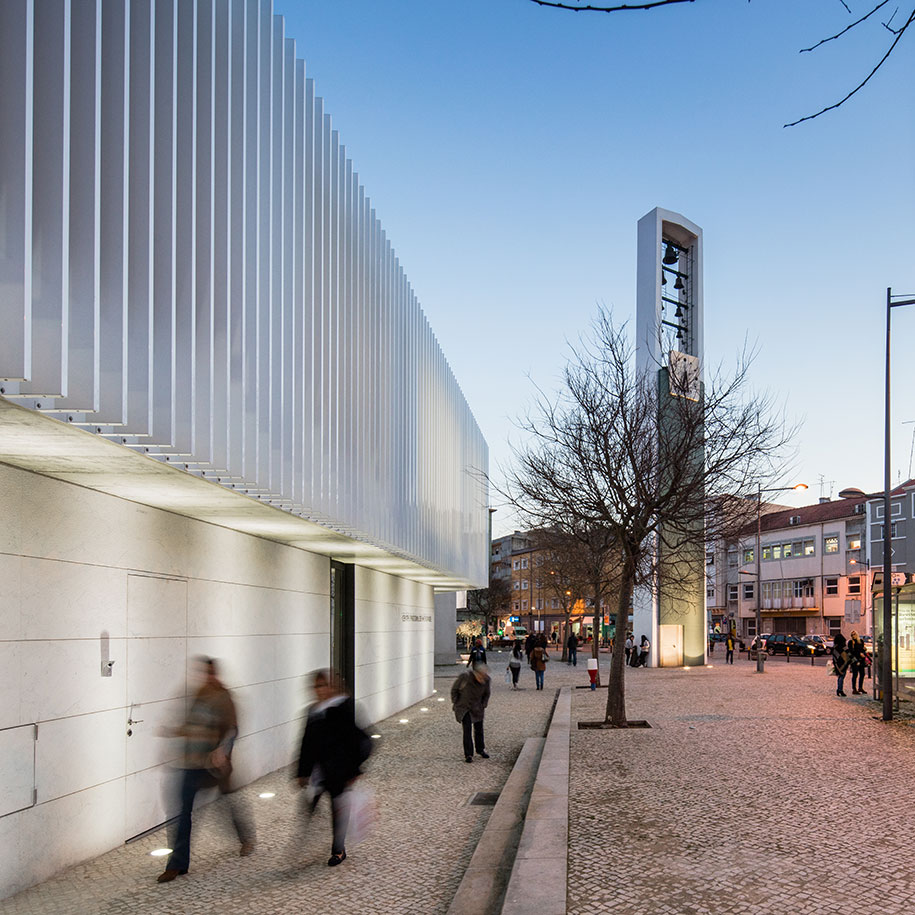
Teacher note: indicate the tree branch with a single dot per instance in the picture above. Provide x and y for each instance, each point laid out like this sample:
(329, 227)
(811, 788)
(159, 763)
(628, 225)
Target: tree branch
(848, 28)
(863, 82)
(651, 4)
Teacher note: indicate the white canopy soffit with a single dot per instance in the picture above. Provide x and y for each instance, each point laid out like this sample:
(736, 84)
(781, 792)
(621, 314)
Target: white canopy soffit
(199, 307)
(37, 443)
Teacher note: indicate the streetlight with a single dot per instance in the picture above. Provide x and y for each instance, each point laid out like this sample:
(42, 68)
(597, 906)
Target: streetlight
(886, 665)
(760, 657)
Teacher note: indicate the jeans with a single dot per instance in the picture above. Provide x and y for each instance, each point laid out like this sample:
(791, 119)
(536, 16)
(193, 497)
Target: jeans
(538, 677)
(192, 781)
(573, 656)
(729, 656)
(857, 678)
(840, 683)
(477, 738)
(340, 814)
(516, 672)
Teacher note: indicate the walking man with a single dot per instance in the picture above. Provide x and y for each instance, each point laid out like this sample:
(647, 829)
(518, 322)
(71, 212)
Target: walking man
(209, 733)
(729, 645)
(469, 698)
(572, 645)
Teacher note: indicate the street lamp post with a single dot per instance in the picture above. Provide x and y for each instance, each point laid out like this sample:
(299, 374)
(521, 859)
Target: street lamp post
(760, 657)
(886, 661)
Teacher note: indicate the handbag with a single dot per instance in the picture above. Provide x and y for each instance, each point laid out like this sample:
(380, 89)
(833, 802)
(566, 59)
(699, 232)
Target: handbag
(508, 675)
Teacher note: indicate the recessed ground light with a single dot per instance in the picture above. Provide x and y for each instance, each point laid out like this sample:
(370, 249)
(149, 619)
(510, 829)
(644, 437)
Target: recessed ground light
(424, 709)
(376, 736)
(686, 667)
(440, 699)
(404, 720)
(266, 794)
(435, 691)
(160, 852)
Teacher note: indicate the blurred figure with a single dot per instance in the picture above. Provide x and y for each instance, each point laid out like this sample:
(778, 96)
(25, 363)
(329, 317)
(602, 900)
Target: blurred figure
(729, 647)
(628, 645)
(209, 733)
(840, 659)
(469, 698)
(539, 658)
(333, 749)
(477, 653)
(572, 645)
(644, 649)
(857, 661)
(514, 663)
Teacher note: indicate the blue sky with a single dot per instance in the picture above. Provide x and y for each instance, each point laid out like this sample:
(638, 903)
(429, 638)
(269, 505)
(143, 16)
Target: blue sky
(510, 150)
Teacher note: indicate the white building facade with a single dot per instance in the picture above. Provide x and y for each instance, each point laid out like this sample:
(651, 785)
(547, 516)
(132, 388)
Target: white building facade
(226, 427)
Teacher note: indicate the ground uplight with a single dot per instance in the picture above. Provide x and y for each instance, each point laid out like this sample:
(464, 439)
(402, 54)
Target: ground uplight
(266, 794)
(160, 852)
(404, 720)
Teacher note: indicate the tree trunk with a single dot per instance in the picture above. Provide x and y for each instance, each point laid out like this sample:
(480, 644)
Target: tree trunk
(564, 635)
(595, 628)
(616, 691)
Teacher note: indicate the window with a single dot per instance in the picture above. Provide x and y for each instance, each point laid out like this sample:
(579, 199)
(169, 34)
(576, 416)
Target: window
(803, 587)
(555, 602)
(524, 605)
(732, 592)
(523, 563)
(767, 552)
(809, 548)
(515, 606)
(787, 550)
(539, 560)
(516, 585)
(853, 543)
(538, 583)
(894, 531)
(748, 590)
(832, 585)
(748, 555)
(732, 559)
(524, 584)
(777, 551)
(539, 604)
(831, 544)
(709, 559)
(516, 564)
(710, 592)
(854, 584)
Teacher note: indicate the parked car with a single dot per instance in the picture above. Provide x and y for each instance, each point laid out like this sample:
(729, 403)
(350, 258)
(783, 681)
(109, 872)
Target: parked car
(818, 643)
(781, 643)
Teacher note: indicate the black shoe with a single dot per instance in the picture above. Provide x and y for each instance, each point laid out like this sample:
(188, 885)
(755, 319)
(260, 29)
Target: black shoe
(483, 753)
(334, 860)
(468, 759)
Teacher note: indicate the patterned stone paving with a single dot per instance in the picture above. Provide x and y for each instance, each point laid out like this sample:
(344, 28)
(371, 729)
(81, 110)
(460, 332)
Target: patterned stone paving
(749, 795)
(412, 863)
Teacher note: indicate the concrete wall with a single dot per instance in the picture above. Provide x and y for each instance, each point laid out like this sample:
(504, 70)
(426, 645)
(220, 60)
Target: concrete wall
(87, 578)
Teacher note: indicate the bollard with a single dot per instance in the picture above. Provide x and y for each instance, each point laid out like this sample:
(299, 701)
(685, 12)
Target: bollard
(787, 654)
(811, 655)
(592, 672)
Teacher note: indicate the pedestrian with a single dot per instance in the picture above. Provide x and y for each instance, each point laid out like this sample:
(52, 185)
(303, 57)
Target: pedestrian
(839, 662)
(729, 648)
(857, 661)
(644, 648)
(333, 749)
(539, 659)
(469, 698)
(628, 647)
(209, 731)
(477, 653)
(572, 645)
(529, 643)
(711, 643)
(514, 663)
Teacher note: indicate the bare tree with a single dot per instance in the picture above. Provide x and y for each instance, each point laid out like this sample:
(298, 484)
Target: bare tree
(490, 603)
(597, 468)
(568, 572)
(896, 25)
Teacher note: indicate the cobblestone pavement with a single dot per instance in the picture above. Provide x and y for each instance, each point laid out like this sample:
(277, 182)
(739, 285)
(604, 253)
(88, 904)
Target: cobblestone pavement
(412, 863)
(749, 794)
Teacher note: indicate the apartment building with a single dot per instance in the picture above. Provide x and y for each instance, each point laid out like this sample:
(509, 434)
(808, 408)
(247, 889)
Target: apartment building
(812, 571)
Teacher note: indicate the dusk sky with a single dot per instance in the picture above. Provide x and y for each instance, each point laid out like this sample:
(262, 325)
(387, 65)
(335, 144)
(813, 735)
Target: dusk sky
(509, 151)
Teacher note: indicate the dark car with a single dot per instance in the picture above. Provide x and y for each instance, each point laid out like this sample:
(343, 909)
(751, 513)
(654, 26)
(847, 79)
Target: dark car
(781, 644)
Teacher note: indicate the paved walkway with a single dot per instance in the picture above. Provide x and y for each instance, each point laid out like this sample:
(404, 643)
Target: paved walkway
(413, 862)
(749, 794)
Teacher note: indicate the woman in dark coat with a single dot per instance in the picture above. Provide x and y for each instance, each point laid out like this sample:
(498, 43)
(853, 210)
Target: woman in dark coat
(333, 749)
(857, 661)
(539, 658)
(840, 662)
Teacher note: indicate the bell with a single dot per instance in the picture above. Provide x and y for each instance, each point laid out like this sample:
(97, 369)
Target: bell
(679, 283)
(679, 312)
(679, 333)
(671, 255)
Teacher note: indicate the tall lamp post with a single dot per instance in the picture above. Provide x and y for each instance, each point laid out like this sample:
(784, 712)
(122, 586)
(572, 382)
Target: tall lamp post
(886, 661)
(760, 657)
